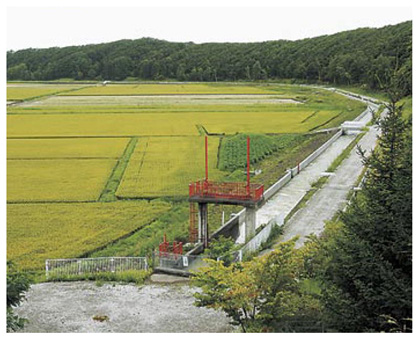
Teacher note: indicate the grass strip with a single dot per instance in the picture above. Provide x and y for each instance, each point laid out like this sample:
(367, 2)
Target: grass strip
(314, 188)
(346, 152)
(108, 194)
(325, 123)
(309, 117)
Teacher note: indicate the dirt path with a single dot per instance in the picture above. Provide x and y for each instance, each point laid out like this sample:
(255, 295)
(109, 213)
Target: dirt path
(154, 308)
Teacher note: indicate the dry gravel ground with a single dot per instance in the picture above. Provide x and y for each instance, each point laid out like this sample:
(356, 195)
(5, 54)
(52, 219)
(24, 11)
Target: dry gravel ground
(154, 308)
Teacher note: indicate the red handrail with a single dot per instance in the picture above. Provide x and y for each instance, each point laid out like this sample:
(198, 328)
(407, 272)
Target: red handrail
(229, 190)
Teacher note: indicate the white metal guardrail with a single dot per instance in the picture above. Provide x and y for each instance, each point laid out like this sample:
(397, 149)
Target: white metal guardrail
(80, 266)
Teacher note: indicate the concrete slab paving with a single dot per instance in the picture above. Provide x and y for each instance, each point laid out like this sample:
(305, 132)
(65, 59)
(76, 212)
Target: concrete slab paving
(165, 278)
(331, 197)
(288, 197)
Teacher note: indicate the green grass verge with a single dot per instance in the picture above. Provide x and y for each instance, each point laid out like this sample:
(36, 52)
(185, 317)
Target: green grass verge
(174, 224)
(364, 91)
(274, 166)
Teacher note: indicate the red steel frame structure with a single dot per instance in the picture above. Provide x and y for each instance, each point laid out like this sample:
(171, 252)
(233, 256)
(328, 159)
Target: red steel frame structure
(235, 193)
(165, 248)
(226, 191)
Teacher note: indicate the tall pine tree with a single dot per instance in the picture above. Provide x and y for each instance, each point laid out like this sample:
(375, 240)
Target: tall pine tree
(368, 275)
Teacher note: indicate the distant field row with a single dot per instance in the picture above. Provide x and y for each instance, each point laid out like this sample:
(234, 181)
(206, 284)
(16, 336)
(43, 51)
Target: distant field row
(156, 89)
(19, 91)
(166, 124)
(36, 232)
(313, 99)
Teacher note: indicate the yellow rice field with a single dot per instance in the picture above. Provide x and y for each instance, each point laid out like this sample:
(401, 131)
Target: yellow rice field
(36, 232)
(57, 180)
(161, 124)
(165, 166)
(66, 148)
(98, 125)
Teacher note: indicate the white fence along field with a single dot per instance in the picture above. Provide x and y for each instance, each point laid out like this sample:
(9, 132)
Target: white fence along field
(80, 266)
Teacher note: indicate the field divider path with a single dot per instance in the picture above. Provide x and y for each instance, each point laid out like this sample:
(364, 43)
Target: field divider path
(143, 156)
(111, 186)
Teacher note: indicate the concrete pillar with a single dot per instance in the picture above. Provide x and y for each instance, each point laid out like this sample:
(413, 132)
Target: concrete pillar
(203, 228)
(242, 234)
(250, 222)
(247, 225)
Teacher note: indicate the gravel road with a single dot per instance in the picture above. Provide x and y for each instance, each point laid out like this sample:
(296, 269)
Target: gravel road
(154, 308)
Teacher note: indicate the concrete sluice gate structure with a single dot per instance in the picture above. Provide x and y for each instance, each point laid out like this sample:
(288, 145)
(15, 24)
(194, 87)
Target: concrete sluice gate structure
(206, 192)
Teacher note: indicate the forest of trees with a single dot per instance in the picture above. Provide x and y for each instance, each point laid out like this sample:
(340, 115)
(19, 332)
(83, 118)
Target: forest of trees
(363, 56)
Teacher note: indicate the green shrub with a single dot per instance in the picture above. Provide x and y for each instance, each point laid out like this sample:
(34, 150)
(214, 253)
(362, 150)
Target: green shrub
(129, 276)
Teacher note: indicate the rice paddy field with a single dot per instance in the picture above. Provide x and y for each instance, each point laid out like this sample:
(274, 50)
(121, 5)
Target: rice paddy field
(89, 164)
(164, 166)
(57, 180)
(36, 232)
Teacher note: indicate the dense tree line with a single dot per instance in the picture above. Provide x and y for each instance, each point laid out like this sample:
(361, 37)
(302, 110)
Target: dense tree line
(361, 56)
